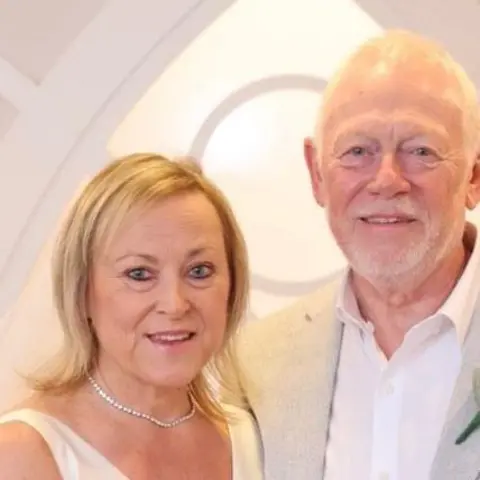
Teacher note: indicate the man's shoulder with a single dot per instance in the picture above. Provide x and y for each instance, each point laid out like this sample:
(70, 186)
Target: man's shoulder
(271, 348)
(316, 305)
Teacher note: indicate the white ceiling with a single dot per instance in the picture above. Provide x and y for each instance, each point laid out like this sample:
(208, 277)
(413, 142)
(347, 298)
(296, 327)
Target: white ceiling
(7, 115)
(35, 33)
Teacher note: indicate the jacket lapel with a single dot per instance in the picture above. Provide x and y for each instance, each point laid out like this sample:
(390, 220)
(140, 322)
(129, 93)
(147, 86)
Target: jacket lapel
(461, 462)
(297, 418)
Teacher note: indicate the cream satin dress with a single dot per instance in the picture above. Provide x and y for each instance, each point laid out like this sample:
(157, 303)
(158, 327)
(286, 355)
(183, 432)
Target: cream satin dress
(78, 460)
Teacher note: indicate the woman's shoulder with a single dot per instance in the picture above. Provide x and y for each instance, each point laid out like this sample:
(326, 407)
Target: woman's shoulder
(30, 415)
(36, 437)
(24, 452)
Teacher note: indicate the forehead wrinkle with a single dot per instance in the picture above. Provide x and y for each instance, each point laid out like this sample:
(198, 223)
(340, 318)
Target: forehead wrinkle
(358, 113)
(386, 96)
(409, 122)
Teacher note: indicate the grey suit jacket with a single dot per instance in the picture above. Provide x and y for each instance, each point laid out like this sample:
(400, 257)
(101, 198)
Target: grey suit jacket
(289, 365)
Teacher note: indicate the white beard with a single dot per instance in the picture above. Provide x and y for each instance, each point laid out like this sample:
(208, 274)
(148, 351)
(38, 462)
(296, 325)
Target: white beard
(392, 266)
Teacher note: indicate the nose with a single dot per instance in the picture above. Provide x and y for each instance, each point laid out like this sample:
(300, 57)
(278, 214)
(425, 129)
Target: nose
(171, 298)
(388, 179)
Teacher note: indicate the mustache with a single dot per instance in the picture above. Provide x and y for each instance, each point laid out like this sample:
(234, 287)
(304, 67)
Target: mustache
(404, 207)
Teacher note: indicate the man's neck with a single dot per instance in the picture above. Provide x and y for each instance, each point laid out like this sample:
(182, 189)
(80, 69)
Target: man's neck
(395, 310)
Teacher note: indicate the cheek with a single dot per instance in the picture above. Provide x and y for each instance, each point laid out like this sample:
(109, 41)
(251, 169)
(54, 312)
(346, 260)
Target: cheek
(341, 186)
(214, 310)
(115, 314)
(441, 195)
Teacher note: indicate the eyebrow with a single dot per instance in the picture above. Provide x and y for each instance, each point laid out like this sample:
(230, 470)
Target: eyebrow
(152, 259)
(345, 134)
(429, 130)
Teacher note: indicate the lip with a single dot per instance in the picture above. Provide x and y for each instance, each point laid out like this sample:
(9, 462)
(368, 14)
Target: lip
(171, 338)
(170, 332)
(387, 220)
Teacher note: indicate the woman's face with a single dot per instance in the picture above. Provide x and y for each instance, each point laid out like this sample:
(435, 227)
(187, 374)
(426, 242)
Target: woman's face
(158, 295)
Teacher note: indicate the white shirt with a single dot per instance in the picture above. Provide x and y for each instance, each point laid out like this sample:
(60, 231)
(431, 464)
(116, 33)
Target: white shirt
(388, 415)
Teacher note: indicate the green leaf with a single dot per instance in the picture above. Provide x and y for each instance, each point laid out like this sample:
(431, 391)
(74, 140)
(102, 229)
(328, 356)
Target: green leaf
(472, 426)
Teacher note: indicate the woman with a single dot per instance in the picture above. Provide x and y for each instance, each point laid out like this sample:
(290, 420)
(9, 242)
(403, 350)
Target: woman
(150, 283)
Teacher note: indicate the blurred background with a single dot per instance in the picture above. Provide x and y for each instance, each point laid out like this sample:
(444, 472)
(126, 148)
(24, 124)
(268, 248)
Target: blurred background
(235, 83)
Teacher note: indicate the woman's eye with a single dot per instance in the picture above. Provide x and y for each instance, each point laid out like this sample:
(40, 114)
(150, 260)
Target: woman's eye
(201, 271)
(139, 274)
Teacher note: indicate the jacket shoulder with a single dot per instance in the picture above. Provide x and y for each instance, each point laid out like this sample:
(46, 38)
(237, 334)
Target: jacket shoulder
(258, 337)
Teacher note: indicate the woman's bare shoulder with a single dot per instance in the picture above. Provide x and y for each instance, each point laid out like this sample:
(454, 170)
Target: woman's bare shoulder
(24, 454)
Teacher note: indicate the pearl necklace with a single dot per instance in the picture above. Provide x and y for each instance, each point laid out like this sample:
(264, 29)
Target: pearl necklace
(98, 389)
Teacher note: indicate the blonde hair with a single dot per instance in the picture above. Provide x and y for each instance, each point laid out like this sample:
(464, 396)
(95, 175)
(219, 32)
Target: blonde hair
(129, 182)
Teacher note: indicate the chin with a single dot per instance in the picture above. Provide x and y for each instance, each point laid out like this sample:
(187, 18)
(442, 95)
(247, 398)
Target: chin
(171, 378)
(393, 264)
(171, 368)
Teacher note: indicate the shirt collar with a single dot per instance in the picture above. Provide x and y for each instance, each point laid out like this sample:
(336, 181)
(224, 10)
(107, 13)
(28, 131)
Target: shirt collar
(458, 307)
(460, 304)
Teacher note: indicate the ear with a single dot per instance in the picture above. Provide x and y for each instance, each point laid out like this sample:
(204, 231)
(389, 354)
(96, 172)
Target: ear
(311, 158)
(473, 193)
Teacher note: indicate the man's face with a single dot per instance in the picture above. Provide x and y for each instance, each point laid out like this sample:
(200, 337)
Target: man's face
(392, 169)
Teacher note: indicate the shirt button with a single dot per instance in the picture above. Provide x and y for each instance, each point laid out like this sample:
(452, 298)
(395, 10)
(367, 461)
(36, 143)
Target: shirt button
(383, 476)
(389, 389)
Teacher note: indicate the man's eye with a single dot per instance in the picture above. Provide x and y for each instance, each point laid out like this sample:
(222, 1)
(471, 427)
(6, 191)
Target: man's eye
(201, 271)
(357, 156)
(422, 151)
(357, 151)
(139, 274)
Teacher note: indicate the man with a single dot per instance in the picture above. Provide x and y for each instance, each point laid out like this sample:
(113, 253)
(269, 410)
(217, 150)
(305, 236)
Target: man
(371, 377)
